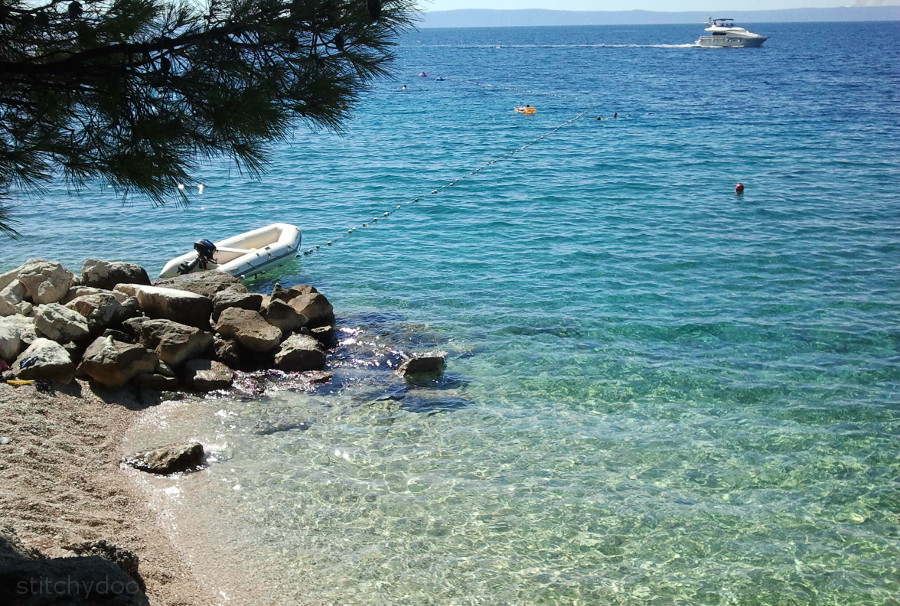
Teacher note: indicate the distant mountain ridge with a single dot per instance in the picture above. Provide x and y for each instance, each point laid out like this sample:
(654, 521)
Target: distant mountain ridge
(533, 17)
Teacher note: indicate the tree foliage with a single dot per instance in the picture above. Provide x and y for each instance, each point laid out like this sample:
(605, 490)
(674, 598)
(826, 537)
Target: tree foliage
(137, 92)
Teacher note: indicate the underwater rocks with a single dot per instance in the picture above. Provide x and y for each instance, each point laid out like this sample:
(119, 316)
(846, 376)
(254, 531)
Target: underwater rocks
(428, 364)
(111, 326)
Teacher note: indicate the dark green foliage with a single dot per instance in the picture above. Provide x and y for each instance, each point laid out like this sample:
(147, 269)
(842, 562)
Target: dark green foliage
(136, 92)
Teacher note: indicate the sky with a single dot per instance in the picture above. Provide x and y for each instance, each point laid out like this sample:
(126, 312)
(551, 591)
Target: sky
(625, 5)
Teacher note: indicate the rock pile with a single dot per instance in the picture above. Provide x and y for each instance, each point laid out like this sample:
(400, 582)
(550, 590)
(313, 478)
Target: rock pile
(110, 325)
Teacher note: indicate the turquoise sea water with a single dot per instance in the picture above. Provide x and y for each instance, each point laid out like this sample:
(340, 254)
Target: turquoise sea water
(657, 391)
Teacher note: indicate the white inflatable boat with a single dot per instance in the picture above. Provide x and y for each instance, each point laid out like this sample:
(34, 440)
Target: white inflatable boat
(243, 255)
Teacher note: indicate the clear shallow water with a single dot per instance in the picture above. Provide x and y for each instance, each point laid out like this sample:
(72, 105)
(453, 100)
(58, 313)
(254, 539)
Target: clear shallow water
(657, 391)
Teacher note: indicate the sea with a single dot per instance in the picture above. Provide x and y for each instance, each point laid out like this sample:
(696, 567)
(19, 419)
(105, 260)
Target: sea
(657, 390)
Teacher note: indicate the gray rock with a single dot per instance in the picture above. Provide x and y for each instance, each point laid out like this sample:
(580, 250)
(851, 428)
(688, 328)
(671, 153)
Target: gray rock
(300, 353)
(44, 360)
(60, 323)
(283, 316)
(206, 283)
(227, 351)
(207, 375)
(113, 363)
(173, 342)
(285, 295)
(323, 334)
(171, 304)
(315, 308)
(79, 291)
(10, 297)
(101, 310)
(7, 278)
(16, 333)
(24, 308)
(165, 370)
(249, 329)
(422, 364)
(232, 297)
(108, 274)
(45, 281)
(174, 458)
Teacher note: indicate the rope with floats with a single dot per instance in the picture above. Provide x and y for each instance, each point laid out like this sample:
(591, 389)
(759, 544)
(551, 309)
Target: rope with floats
(438, 190)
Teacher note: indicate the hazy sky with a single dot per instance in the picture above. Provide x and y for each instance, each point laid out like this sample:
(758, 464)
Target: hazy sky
(625, 5)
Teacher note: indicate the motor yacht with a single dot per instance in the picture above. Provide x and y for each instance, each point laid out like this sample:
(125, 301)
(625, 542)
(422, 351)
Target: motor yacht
(723, 33)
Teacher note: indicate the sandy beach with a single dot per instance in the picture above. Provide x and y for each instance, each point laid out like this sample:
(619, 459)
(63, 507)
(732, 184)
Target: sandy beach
(63, 485)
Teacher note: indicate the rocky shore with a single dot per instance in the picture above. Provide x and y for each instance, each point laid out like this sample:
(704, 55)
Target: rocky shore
(110, 325)
(82, 356)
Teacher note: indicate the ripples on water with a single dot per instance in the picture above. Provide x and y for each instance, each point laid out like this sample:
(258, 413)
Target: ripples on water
(657, 392)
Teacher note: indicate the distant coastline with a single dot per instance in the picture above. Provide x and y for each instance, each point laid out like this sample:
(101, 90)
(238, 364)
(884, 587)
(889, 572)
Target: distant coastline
(536, 17)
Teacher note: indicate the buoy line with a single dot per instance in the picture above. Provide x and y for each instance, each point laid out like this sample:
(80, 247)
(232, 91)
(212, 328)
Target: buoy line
(438, 190)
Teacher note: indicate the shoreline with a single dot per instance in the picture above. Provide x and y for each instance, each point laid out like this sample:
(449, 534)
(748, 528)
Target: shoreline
(63, 483)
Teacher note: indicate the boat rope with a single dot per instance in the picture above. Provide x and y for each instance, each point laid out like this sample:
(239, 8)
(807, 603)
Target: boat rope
(438, 190)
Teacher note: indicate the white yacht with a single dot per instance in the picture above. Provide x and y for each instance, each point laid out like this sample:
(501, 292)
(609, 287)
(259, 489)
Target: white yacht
(724, 34)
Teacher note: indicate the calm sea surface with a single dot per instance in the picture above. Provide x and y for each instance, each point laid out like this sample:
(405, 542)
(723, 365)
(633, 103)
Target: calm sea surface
(656, 391)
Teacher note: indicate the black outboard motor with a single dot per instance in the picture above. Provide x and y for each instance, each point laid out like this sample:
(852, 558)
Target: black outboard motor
(205, 251)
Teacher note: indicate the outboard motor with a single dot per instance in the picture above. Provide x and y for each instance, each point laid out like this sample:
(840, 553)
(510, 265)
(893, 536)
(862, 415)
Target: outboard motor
(205, 251)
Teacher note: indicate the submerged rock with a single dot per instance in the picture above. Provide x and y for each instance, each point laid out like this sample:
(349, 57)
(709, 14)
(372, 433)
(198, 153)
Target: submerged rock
(207, 375)
(423, 364)
(174, 458)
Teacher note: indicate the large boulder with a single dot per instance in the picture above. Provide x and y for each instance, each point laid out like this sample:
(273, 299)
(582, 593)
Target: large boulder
(206, 283)
(44, 360)
(45, 281)
(16, 333)
(60, 323)
(233, 297)
(280, 314)
(300, 353)
(11, 297)
(314, 307)
(101, 310)
(174, 458)
(249, 329)
(173, 342)
(8, 277)
(207, 375)
(171, 304)
(286, 294)
(107, 274)
(113, 363)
